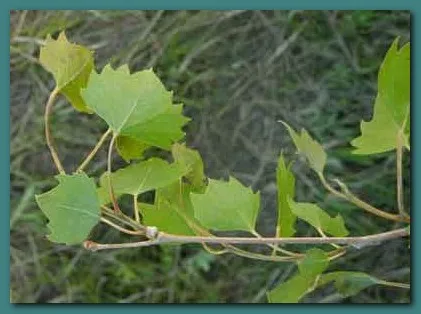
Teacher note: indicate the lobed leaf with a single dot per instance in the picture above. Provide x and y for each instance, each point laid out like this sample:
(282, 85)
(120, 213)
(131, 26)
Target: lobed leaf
(349, 283)
(391, 113)
(318, 218)
(72, 208)
(309, 148)
(285, 181)
(136, 106)
(227, 206)
(140, 177)
(309, 269)
(70, 65)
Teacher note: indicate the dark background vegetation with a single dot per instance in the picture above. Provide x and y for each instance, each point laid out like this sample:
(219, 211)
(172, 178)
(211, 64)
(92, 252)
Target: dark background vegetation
(238, 73)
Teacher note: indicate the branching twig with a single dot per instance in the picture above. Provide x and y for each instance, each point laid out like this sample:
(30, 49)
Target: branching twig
(162, 238)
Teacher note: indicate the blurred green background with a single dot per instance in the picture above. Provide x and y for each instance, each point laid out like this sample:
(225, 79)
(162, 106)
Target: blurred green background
(238, 73)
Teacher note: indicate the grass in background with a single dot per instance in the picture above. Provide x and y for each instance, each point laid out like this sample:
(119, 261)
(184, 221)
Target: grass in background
(237, 72)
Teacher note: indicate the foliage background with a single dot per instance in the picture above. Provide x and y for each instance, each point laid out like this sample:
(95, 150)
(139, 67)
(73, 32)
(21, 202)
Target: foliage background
(237, 72)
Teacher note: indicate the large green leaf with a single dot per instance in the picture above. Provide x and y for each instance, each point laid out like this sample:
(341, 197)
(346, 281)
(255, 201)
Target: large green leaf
(72, 208)
(161, 130)
(70, 65)
(141, 177)
(286, 188)
(135, 105)
(309, 148)
(227, 206)
(391, 113)
(192, 160)
(349, 283)
(291, 291)
(318, 218)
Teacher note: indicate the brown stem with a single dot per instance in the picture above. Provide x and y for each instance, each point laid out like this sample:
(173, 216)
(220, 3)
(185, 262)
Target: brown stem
(49, 139)
(162, 238)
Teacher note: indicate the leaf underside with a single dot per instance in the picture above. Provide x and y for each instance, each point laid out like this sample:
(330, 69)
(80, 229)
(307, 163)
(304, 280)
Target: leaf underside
(72, 208)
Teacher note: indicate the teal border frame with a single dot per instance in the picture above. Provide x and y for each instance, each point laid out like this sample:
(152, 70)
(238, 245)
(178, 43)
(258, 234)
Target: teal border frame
(6, 5)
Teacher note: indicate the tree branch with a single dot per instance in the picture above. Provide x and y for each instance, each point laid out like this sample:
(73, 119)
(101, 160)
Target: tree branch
(162, 238)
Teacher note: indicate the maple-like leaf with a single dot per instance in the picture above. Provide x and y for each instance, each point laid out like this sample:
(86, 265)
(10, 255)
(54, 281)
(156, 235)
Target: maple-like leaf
(70, 65)
(227, 206)
(136, 106)
(72, 208)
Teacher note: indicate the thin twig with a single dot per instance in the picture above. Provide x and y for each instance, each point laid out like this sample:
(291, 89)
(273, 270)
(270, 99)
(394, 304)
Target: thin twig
(360, 203)
(94, 151)
(163, 238)
(119, 228)
(48, 137)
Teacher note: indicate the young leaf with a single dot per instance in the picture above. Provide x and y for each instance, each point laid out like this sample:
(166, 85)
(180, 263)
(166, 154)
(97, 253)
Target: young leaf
(172, 211)
(72, 208)
(141, 177)
(315, 262)
(226, 206)
(318, 218)
(391, 113)
(309, 148)
(70, 65)
(129, 148)
(286, 188)
(349, 283)
(192, 160)
(166, 217)
(394, 82)
(135, 105)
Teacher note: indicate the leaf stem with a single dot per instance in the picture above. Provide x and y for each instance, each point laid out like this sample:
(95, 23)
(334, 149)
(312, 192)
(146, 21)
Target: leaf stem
(277, 248)
(48, 138)
(347, 195)
(110, 186)
(395, 284)
(136, 209)
(163, 237)
(94, 151)
(399, 176)
(124, 230)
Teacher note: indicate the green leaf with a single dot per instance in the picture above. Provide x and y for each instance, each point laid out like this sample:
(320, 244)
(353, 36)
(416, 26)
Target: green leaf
(315, 262)
(72, 208)
(166, 217)
(129, 148)
(226, 206)
(70, 65)
(135, 105)
(318, 218)
(378, 135)
(286, 188)
(309, 148)
(391, 113)
(140, 177)
(192, 160)
(349, 283)
(172, 211)
(162, 130)
(394, 82)
(291, 291)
